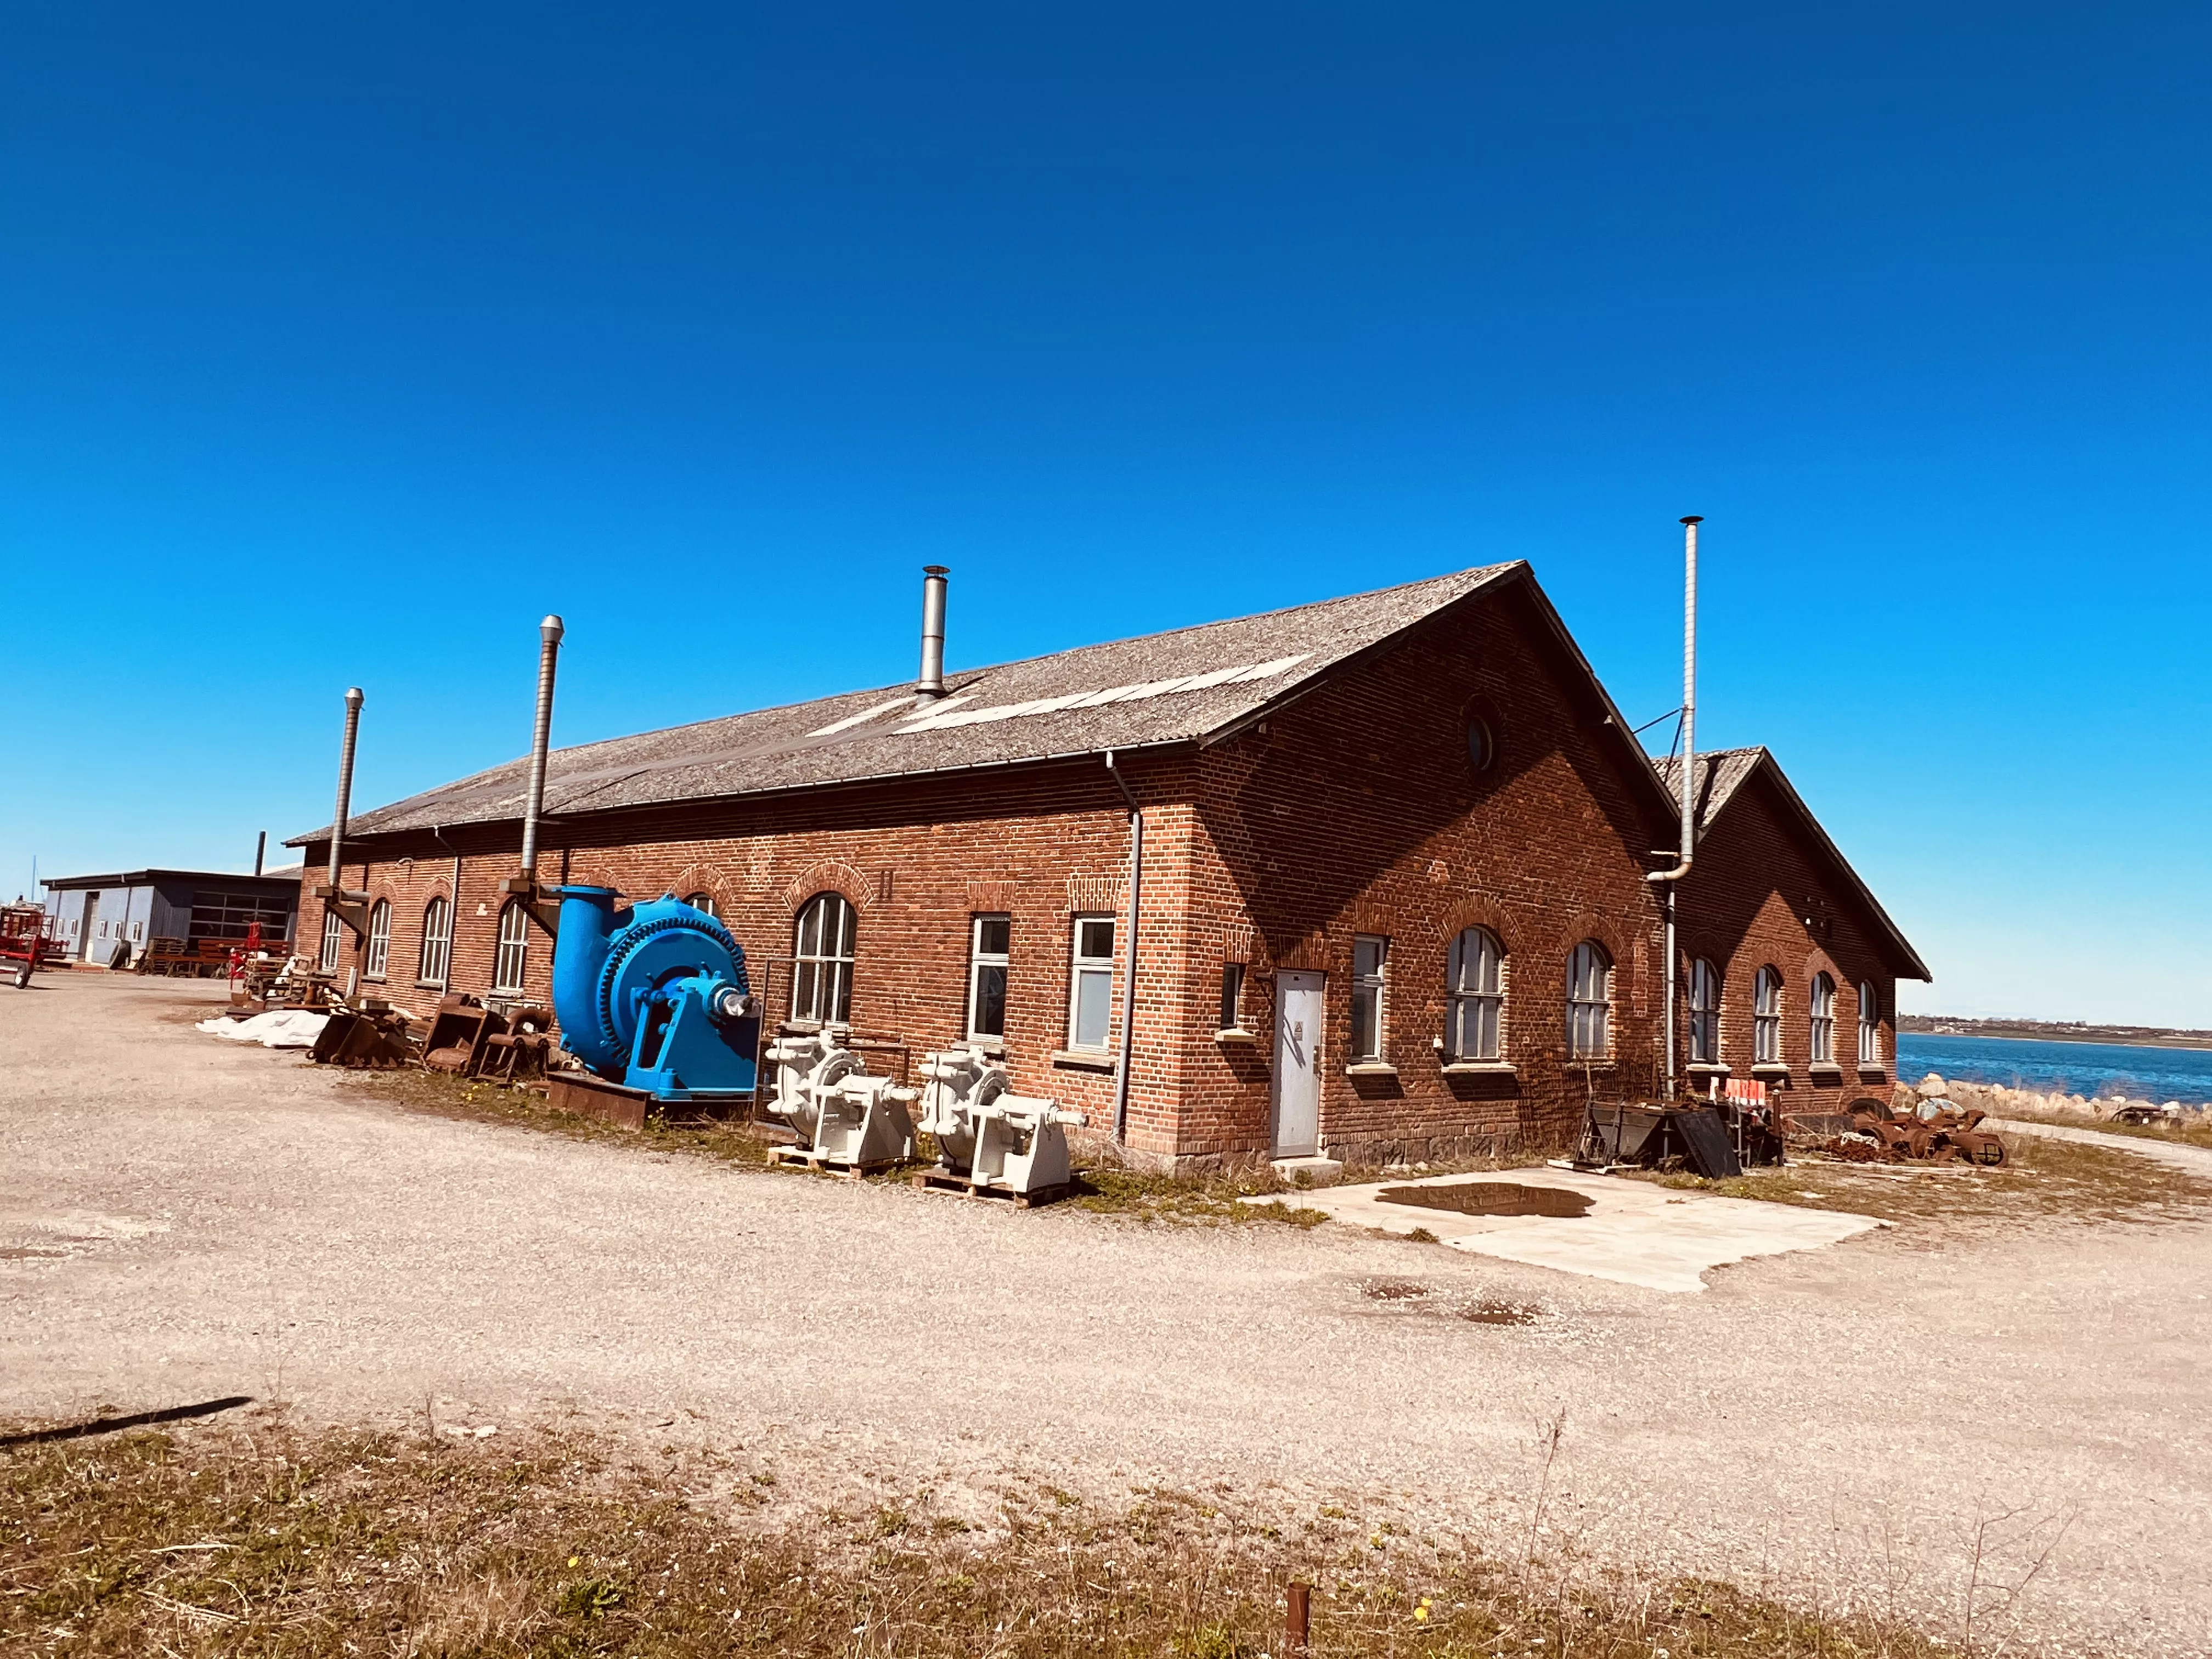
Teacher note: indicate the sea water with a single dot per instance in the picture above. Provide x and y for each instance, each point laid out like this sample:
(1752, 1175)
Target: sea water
(2070, 1068)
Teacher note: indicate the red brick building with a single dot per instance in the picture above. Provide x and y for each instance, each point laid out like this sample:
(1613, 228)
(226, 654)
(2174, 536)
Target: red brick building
(1389, 900)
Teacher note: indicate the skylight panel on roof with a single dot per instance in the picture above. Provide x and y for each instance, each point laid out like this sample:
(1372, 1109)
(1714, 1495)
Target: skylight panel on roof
(905, 700)
(939, 718)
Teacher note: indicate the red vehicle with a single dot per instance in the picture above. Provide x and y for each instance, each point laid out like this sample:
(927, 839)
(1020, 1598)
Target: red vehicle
(23, 941)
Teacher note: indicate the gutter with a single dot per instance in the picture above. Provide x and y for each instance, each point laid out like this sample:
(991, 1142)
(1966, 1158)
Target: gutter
(568, 815)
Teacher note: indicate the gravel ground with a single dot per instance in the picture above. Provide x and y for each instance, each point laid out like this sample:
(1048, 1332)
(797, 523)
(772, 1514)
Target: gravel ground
(182, 1218)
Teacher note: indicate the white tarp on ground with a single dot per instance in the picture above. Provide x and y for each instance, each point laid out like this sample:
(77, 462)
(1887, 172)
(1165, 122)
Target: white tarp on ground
(297, 1029)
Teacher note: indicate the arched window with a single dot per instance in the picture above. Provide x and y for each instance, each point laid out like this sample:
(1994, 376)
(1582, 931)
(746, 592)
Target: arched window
(1705, 1013)
(1869, 1025)
(379, 940)
(328, 960)
(1766, 1018)
(1475, 984)
(513, 960)
(437, 943)
(704, 902)
(1823, 1009)
(822, 987)
(1589, 1002)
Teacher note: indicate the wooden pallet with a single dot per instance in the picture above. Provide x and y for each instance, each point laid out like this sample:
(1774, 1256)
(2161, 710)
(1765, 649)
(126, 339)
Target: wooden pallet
(944, 1180)
(799, 1157)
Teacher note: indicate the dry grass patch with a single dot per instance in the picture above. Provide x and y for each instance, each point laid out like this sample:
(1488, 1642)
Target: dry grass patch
(1201, 1200)
(1217, 1197)
(277, 1545)
(2192, 1132)
(2041, 1179)
(444, 1095)
(1101, 1187)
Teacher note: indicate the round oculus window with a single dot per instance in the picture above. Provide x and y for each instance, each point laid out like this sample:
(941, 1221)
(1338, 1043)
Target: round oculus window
(1481, 747)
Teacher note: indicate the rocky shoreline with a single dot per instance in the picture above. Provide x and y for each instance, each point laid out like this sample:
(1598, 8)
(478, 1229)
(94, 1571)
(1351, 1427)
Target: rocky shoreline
(2000, 1102)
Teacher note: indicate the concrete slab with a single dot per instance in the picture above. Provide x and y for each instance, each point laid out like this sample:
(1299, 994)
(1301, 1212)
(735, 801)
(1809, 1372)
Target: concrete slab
(1633, 1233)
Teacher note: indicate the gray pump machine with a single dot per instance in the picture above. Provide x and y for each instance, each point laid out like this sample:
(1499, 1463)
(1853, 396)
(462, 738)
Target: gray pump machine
(653, 996)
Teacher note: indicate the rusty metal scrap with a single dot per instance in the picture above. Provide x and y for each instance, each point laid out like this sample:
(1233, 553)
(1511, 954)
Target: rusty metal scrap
(1933, 1132)
(362, 1039)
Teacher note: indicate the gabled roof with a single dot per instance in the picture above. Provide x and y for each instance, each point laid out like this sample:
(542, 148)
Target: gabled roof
(1193, 685)
(1722, 775)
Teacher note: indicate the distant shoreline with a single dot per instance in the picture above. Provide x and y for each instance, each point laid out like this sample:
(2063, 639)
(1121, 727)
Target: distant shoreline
(2175, 1042)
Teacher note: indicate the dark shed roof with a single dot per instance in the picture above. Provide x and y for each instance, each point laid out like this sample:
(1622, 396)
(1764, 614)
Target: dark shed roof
(289, 877)
(1724, 772)
(1192, 686)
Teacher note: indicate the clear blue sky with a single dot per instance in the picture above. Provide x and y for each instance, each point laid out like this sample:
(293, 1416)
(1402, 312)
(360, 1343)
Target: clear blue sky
(338, 348)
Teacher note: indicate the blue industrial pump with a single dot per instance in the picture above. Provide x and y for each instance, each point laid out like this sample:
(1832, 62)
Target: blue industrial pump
(653, 996)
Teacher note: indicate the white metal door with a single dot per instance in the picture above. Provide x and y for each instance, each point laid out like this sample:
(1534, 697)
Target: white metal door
(1297, 1064)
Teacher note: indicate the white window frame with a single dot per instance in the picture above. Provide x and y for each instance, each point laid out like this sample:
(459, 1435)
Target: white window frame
(379, 940)
(1869, 1025)
(433, 960)
(327, 959)
(1704, 1000)
(1370, 980)
(1820, 1018)
(825, 938)
(1590, 1001)
(1091, 969)
(1766, 1016)
(704, 901)
(982, 961)
(510, 962)
(1474, 988)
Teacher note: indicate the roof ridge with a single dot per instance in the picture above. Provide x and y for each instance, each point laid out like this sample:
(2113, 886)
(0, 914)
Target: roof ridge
(1246, 617)
(953, 675)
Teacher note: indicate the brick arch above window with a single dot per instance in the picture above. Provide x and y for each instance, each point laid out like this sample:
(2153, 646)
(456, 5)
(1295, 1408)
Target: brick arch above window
(712, 879)
(1477, 911)
(828, 876)
(1818, 961)
(1618, 937)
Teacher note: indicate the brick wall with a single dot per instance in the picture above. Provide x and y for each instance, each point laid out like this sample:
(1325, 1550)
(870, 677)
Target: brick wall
(916, 862)
(1359, 812)
(1761, 895)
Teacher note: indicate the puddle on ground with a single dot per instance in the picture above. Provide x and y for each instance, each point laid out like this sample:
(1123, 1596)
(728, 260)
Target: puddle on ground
(1491, 1198)
(1488, 1312)
(1393, 1289)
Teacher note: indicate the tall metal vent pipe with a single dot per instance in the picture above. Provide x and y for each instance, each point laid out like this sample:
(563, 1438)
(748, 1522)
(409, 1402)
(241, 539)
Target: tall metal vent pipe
(1673, 878)
(548, 654)
(353, 703)
(932, 682)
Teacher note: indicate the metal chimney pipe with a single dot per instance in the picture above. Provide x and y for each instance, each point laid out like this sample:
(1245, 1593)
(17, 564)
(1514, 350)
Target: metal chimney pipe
(260, 850)
(1689, 684)
(1689, 782)
(549, 652)
(353, 703)
(932, 682)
